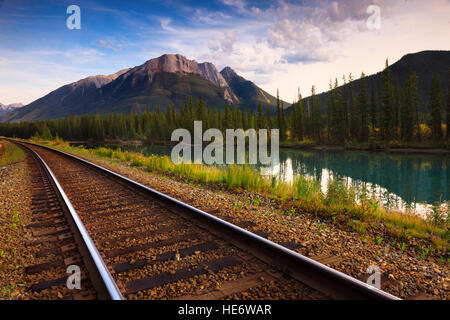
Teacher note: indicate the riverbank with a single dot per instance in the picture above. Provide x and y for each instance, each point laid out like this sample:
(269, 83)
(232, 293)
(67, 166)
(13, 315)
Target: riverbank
(294, 146)
(367, 147)
(305, 194)
(411, 268)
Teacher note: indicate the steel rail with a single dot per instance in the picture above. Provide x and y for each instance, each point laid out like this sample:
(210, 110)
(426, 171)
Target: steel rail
(336, 284)
(108, 281)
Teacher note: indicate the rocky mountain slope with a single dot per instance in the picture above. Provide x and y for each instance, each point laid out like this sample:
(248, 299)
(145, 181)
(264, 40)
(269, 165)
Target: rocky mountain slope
(170, 78)
(173, 79)
(4, 109)
(248, 93)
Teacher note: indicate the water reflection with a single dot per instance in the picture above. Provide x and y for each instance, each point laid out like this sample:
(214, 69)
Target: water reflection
(399, 180)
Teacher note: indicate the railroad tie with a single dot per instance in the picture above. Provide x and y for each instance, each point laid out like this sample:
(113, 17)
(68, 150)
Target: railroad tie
(181, 274)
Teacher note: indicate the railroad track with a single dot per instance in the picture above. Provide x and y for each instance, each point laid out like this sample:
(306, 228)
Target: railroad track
(133, 242)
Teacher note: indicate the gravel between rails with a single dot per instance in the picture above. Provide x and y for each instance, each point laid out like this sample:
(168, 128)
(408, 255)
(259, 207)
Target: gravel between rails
(404, 273)
(156, 266)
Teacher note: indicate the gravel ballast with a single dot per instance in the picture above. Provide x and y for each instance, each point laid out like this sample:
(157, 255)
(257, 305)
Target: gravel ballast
(405, 272)
(15, 213)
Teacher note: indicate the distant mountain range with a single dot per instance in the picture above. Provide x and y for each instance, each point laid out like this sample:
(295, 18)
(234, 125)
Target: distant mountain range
(4, 109)
(172, 78)
(424, 64)
(160, 81)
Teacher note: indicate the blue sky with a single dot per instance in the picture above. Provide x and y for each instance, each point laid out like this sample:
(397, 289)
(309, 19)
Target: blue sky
(276, 44)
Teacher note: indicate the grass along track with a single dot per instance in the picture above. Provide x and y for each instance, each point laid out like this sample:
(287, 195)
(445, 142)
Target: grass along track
(303, 195)
(160, 251)
(9, 153)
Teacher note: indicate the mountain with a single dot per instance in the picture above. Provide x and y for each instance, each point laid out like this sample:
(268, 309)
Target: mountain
(248, 93)
(178, 64)
(424, 64)
(66, 100)
(170, 78)
(4, 109)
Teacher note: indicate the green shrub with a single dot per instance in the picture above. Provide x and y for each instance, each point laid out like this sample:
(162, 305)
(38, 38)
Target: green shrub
(339, 193)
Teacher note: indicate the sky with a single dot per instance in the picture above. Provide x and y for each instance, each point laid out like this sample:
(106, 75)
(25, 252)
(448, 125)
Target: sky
(277, 44)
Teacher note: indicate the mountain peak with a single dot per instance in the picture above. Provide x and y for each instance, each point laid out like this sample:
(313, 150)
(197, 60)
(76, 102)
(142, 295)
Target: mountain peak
(210, 72)
(171, 63)
(99, 80)
(167, 79)
(4, 109)
(10, 106)
(177, 63)
(228, 73)
(114, 76)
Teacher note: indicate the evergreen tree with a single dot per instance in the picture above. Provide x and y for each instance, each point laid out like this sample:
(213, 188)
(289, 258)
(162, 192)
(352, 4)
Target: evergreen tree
(228, 118)
(269, 124)
(215, 119)
(316, 118)
(132, 126)
(387, 97)
(251, 120)
(355, 117)
(45, 133)
(260, 118)
(240, 119)
(191, 116)
(373, 108)
(436, 108)
(350, 113)
(278, 111)
(345, 124)
(396, 107)
(201, 112)
(300, 120)
(247, 119)
(338, 122)
(329, 113)
(362, 107)
(283, 123)
(97, 130)
(408, 106)
(235, 117)
(292, 120)
(280, 118)
(448, 106)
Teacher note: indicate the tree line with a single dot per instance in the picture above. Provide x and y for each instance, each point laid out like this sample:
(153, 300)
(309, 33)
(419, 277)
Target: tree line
(357, 114)
(351, 115)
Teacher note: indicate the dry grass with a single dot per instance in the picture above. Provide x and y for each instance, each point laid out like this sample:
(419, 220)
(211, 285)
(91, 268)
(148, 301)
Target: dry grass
(10, 153)
(338, 202)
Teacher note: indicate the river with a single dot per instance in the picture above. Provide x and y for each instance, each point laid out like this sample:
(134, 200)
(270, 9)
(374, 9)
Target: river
(402, 181)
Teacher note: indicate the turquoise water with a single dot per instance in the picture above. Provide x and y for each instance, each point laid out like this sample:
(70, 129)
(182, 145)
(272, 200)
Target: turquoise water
(399, 180)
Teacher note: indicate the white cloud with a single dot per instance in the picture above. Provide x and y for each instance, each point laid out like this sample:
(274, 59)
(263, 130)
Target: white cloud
(406, 27)
(284, 46)
(256, 11)
(165, 24)
(227, 41)
(239, 4)
(212, 18)
(309, 45)
(109, 44)
(213, 45)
